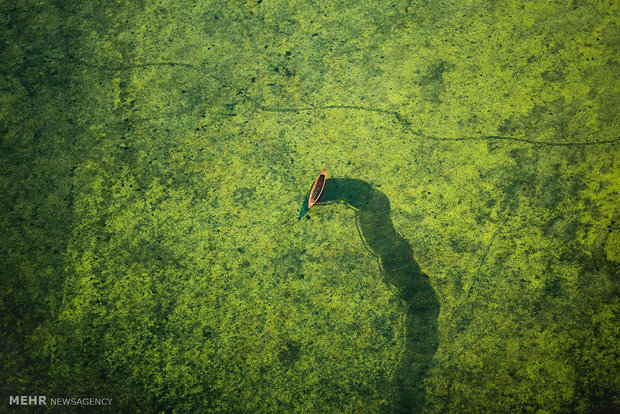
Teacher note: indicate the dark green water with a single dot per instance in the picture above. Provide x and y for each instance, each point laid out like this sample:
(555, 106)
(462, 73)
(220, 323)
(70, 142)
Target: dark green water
(400, 270)
(464, 255)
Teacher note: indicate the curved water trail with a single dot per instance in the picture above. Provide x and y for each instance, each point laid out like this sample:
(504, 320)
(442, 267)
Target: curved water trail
(400, 270)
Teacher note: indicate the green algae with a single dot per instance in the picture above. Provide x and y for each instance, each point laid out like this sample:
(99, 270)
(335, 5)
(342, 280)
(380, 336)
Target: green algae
(154, 156)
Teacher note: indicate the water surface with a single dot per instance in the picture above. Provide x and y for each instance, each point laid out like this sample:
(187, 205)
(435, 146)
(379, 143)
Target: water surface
(464, 257)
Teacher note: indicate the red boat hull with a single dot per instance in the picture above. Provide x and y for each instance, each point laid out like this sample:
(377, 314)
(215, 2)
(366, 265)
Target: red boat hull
(317, 188)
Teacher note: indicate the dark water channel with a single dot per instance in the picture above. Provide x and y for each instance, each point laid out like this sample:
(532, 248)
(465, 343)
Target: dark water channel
(399, 269)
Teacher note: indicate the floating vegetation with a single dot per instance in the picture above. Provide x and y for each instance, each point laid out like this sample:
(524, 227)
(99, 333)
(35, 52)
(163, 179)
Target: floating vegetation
(463, 259)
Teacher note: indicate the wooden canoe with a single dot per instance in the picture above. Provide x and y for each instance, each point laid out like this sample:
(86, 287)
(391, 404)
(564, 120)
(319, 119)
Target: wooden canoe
(317, 188)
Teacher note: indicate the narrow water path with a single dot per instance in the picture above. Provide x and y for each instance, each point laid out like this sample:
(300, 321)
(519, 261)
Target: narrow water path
(400, 270)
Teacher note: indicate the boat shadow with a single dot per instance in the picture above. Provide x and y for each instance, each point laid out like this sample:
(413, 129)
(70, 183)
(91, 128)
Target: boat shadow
(400, 270)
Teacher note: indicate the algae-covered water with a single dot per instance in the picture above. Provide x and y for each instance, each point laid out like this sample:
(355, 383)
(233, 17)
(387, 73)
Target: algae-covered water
(463, 257)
